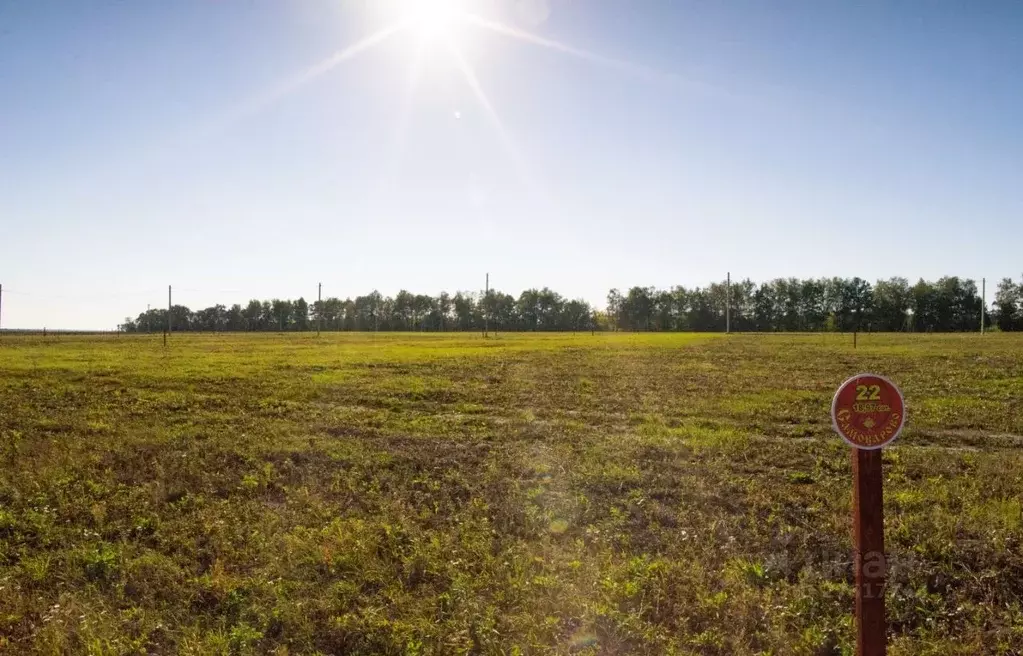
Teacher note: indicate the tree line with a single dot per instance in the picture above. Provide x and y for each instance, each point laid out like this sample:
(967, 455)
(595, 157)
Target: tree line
(950, 304)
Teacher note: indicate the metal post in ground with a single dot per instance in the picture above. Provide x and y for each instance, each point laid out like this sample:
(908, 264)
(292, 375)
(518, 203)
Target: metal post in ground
(167, 332)
(728, 304)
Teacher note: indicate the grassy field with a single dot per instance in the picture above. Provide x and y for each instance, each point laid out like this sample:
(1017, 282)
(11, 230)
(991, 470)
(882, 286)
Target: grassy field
(414, 494)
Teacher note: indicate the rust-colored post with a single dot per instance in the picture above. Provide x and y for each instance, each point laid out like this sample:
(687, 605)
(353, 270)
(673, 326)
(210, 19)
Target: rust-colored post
(868, 552)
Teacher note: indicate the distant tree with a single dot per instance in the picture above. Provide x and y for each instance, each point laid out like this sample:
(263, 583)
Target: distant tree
(367, 311)
(743, 307)
(857, 304)
(300, 314)
(332, 313)
(664, 311)
(421, 306)
(528, 308)
(702, 315)
(784, 304)
(763, 308)
(812, 304)
(892, 302)
(464, 306)
(253, 315)
(181, 318)
(280, 311)
(444, 309)
(549, 306)
(404, 309)
(787, 298)
(235, 318)
(504, 312)
(576, 315)
(348, 315)
(1007, 305)
(614, 308)
(638, 308)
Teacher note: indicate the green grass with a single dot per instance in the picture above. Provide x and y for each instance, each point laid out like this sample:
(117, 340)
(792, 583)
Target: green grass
(528, 494)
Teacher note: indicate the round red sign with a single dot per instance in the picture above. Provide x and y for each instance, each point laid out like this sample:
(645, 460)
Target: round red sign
(868, 411)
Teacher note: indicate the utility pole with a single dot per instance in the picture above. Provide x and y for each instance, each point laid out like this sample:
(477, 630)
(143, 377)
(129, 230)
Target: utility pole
(168, 316)
(983, 303)
(1, 299)
(728, 304)
(319, 307)
(149, 324)
(486, 308)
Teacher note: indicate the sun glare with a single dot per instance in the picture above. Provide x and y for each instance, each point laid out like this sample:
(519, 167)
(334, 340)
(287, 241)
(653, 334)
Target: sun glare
(431, 19)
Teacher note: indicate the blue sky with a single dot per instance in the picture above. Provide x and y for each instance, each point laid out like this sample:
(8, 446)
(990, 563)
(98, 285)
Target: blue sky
(207, 144)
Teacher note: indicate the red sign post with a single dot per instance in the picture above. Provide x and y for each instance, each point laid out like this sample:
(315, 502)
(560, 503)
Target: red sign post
(868, 411)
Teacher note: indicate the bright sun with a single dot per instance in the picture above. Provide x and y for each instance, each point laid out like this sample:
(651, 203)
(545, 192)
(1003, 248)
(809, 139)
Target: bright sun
(431, 19)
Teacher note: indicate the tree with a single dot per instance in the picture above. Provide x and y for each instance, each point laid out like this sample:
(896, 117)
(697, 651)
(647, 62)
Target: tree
(857, 305)
(812, 304)
(366, 311)
(504, 315)
(664, 310)
(925, 306)
(280, 312)
(763, 308)
(702, 316)
(528, 308)
(465, 308)
(235, 318)
(253, 315)
(404, 309)
(784, 304)
(445, 308)
(892, 302)
(1007, 305)
(210, 319)
(181, 318)
(576, 315)
(638, 308)
(614, 308)
(549, 306)
(300, 314)
(743, 308)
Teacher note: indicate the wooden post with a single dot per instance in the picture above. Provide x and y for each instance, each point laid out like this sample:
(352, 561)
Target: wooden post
(868, 427)
(868, 552)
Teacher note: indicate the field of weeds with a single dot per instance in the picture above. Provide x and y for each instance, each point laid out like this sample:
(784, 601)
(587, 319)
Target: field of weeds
(526, 494)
